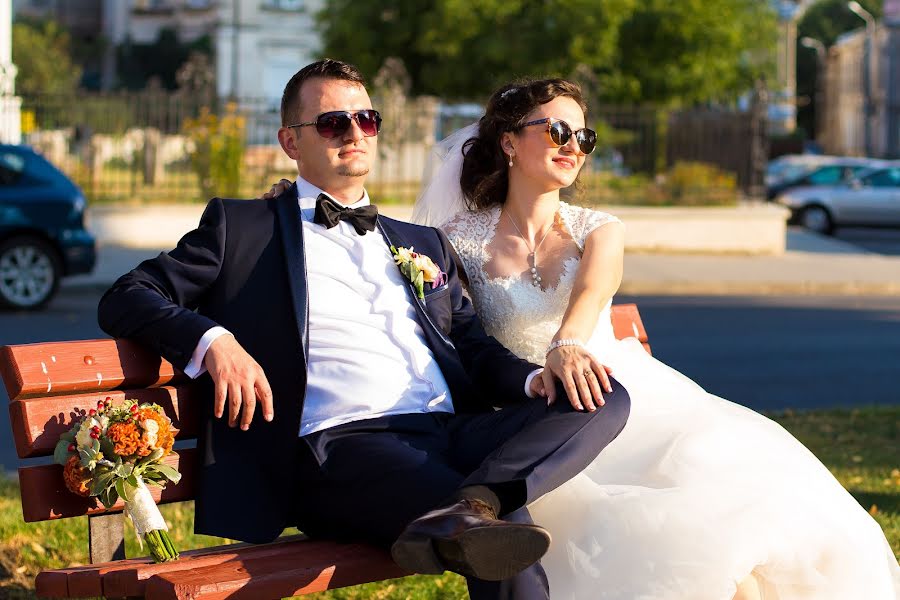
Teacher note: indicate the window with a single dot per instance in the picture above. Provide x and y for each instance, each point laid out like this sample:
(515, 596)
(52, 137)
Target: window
(826, 176)
(284, 4)
(11, 167)
(885, 178)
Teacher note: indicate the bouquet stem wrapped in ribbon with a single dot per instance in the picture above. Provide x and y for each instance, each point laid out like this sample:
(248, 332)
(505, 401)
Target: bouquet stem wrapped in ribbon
(111, 452)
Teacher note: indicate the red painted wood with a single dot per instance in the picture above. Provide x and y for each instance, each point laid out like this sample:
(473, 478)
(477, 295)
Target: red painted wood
(45, 497)
(300, 571)
(130, 580)
(53, 368)
(52, 584)
(37, 423)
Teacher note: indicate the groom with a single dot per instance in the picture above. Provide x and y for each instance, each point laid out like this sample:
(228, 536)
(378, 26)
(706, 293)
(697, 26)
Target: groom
(339, 400)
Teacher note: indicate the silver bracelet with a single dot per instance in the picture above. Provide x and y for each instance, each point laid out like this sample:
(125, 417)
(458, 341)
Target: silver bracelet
(563, 342)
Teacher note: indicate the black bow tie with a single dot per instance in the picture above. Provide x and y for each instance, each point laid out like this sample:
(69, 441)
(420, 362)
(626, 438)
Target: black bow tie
(329, 213)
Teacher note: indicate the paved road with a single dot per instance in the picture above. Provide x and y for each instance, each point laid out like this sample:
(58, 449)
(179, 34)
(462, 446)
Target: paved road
(763, 352)
(880, 241)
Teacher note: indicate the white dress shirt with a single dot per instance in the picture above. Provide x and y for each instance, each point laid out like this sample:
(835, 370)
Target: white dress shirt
(367, 352)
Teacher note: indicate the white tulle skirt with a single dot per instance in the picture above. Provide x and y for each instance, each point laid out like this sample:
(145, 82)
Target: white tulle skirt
(698, 493)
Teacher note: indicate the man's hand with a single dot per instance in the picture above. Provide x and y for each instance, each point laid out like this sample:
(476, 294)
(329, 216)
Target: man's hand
(582, 376)
(277, 189)
(240, 380)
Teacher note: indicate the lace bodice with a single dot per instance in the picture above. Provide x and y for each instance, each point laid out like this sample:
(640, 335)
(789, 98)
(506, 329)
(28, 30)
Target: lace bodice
(521, 316)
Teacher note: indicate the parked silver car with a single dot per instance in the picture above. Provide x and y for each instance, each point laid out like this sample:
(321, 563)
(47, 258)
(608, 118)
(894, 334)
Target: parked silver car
(870, 198)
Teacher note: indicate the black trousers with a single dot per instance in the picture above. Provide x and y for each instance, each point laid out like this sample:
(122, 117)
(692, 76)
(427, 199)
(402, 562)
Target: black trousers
(368, 479)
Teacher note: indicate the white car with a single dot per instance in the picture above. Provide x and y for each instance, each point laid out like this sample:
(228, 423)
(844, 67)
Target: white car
(871, 198)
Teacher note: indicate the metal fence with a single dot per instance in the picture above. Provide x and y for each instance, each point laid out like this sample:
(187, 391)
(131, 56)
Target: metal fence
(157, 146)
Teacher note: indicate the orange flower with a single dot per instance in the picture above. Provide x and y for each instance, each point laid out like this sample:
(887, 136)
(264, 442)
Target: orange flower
(77, 478)
(165, 436)
(125, 438)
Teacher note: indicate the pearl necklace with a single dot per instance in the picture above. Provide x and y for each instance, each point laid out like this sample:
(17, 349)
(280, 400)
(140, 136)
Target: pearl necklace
(532, 256)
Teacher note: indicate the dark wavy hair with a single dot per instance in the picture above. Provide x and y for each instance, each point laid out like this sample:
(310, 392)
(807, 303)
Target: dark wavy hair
(484, 179)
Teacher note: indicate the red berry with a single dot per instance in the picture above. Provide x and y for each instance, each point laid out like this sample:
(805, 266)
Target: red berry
(92, 412)
(95, 429)
(108, 398)
(71, 447)
(94, 435)
(99, 403)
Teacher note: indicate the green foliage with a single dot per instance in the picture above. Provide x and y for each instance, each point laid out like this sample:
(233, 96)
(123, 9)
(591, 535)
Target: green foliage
(691, 51)
(218, 153)
(700, 184)
(826, 20)
(658, 50)
(685, 184)
(41, 51)
(462, 49)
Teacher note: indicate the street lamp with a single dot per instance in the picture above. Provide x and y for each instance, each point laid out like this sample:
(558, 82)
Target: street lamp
(819, 47)
(866, 16)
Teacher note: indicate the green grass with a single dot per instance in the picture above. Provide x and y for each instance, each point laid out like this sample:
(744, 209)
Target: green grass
(861, 447)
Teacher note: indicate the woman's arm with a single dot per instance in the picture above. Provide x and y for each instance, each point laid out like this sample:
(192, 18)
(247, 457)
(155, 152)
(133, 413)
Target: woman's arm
(599, 276)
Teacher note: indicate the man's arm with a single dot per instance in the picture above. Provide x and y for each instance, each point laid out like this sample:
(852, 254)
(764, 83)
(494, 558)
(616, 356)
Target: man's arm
(154, 305)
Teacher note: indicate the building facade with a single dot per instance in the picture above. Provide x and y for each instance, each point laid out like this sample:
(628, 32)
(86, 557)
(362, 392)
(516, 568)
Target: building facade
(858, 121)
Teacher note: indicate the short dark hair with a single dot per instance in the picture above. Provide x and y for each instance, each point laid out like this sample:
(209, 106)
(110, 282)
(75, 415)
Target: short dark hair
(484, 179)
(326, 68)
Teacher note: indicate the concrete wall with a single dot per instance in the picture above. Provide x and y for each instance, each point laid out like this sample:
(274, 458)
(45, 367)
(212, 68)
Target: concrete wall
(750, 229)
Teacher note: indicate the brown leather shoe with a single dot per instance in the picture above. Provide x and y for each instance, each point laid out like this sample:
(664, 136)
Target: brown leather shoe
(468, 538)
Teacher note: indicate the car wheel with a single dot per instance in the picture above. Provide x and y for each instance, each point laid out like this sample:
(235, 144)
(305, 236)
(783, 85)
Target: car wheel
(817, 218)
(30, 270)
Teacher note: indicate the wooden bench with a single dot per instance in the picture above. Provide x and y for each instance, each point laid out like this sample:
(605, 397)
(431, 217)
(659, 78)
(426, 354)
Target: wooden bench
(49, 384)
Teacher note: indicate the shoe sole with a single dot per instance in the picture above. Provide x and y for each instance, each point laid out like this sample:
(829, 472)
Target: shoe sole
(490, 553)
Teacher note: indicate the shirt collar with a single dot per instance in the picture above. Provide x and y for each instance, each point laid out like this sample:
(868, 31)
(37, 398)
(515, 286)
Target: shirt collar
(308, 193)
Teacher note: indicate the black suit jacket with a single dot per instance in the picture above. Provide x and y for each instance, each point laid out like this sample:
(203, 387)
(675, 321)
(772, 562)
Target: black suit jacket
(244, 268)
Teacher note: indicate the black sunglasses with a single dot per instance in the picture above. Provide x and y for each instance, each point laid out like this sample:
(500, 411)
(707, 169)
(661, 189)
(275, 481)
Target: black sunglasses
(335, 123)
(560, 132)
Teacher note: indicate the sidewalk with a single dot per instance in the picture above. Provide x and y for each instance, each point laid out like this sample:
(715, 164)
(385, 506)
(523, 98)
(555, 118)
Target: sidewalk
(813, 264)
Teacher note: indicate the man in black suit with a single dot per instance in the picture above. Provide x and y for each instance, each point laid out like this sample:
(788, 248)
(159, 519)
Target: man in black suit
(341, 401)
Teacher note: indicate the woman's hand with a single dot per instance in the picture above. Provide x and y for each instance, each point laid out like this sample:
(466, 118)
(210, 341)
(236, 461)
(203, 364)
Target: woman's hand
(583, 377)
(277, 189)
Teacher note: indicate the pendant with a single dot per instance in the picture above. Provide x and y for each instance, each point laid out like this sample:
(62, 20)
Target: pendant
(535, 278)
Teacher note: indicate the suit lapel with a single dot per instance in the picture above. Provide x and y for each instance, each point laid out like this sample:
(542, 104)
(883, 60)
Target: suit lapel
(291, 227)
(393, 238)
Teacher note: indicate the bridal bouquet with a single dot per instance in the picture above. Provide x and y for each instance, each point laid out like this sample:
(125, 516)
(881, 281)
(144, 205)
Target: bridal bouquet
(111, 452)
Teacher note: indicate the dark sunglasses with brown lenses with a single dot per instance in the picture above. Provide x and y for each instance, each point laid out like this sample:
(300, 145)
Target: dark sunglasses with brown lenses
(560, 132)
(336, 123)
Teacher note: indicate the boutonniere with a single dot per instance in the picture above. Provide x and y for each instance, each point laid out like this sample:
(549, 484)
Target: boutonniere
(419, 269)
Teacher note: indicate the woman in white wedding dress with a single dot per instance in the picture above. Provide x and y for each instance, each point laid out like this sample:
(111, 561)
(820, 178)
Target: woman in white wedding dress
(698, 498)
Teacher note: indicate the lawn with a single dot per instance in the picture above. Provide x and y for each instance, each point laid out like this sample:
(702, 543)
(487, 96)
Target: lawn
(861, 447)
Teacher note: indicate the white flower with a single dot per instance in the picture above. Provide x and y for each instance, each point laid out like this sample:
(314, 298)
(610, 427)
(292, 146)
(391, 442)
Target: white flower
(83, 438)
(151, 429)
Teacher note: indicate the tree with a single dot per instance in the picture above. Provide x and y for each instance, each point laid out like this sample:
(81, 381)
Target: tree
(692, 51)
(462, 49)
(41, 51)
(648, 50)
(826, 21)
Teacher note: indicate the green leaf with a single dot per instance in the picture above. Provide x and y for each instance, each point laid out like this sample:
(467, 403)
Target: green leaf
(61, 452)
(168, 472)
(132, 481)
(68, 436)
(108, 449)
(124, 470)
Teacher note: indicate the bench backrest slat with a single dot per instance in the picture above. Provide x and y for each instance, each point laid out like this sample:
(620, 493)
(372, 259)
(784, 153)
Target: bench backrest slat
(56, 368)
(45, 497)
(50, 383)
(37, 423)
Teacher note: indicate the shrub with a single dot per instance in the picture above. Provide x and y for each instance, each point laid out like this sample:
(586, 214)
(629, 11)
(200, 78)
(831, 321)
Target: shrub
(218, 152)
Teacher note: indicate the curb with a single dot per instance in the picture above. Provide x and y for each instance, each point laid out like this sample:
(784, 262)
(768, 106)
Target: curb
(758, 288)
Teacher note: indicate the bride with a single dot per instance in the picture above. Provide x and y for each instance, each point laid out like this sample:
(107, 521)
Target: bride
(698, 498)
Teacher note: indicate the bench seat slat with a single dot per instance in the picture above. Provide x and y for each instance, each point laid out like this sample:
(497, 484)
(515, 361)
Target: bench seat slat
(37, 423)
(53, 368)
(304, 568)
(130, 580)
(45, 497)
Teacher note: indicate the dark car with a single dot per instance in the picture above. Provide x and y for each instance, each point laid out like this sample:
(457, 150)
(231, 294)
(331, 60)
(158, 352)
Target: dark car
(42, 234)
(835, 171)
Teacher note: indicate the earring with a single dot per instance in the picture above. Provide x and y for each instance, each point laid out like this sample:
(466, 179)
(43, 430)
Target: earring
(510, 160)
